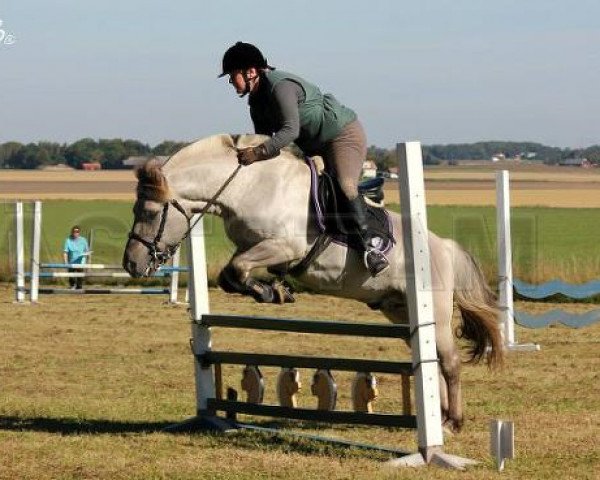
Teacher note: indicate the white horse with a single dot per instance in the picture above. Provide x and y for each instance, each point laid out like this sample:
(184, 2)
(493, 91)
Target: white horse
(267, 215)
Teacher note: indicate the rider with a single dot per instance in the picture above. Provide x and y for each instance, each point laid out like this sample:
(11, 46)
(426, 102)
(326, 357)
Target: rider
(290, 109)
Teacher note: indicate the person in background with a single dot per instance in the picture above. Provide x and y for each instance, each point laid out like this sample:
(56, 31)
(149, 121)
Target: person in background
(290, 109)
(75, 252)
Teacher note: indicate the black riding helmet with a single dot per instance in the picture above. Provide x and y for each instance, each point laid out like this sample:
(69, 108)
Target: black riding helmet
(242, 56)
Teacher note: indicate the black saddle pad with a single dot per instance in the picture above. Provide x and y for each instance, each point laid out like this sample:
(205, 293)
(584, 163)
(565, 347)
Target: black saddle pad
(333, 217)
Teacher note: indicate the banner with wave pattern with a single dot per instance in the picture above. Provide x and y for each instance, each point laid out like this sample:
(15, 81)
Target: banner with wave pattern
(554, 287)
(573, 320)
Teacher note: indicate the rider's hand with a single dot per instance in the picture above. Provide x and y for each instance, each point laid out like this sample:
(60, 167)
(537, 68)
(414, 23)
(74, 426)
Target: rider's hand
(246, 156)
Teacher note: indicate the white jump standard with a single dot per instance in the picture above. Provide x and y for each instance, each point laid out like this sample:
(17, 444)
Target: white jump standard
(505, 273)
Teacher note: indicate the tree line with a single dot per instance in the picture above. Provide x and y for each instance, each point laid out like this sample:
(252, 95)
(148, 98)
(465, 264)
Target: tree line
(110, 153)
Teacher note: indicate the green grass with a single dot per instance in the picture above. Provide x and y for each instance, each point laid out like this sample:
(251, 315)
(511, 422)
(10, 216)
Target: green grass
(88, 383)
(547, 242)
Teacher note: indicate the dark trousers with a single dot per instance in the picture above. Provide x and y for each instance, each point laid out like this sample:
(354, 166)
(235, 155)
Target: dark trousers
(76, 282)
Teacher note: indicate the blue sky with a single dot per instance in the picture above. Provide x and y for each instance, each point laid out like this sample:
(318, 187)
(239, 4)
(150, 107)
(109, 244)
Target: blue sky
(435, 71)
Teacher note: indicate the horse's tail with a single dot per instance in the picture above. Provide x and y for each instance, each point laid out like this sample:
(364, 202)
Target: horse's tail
(479, 310)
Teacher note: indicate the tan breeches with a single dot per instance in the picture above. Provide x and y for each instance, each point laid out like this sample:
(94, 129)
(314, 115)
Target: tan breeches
(344, 157)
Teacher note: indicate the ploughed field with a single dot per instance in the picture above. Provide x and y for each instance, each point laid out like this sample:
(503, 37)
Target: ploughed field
(461, 185)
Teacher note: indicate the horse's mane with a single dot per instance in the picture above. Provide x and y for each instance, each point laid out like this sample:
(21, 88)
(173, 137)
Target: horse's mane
(152, 184)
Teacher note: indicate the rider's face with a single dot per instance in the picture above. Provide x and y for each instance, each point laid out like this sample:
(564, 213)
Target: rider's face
(238, 79)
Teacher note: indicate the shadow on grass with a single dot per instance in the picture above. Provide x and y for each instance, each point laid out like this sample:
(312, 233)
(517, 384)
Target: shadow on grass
(71, 426)
(305, 445)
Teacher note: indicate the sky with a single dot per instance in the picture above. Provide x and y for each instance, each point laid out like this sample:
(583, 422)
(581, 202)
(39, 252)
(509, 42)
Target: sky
(436, 71)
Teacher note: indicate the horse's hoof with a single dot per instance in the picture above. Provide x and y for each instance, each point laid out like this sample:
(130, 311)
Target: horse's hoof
(261, 292)
(452, 426)
(283, 292)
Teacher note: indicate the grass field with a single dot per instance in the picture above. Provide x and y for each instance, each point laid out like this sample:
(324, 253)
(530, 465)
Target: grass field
(89, 382)
(547, 242)
(86, 391)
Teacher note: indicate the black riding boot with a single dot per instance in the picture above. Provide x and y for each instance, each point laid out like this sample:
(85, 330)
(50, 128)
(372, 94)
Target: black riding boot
(374, 260)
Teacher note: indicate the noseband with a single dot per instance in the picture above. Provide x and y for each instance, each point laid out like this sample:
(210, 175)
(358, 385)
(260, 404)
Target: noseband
(158, 256)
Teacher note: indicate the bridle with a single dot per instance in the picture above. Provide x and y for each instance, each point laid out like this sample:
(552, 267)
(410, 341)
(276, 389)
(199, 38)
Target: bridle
(157, 256)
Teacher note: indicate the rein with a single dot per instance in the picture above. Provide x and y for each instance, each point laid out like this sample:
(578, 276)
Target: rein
(210, 203)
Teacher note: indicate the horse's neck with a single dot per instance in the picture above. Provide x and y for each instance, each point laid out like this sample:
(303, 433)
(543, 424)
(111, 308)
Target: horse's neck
(200, 182)
(273, 183)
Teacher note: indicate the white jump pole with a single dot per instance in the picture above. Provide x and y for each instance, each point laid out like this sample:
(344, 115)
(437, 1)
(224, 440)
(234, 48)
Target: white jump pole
(420, 309)
(174, 290)
(36, 237)
(505, 274)
(20, 253)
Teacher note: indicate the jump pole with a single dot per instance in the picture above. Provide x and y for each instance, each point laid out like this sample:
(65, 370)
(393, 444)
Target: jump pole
(34, 274)
(20, 254)
(505, 273)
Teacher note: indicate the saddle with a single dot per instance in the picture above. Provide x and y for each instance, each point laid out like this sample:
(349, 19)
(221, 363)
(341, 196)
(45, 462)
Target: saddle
(330, 204)
(330, 207)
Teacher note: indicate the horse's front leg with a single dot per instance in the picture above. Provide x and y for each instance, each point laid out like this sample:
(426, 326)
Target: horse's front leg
(236, 276)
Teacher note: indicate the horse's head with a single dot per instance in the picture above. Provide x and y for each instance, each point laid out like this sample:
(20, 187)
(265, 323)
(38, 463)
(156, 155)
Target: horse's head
(160, 223)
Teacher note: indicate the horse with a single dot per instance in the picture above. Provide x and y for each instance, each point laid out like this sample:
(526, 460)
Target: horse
(267, 215)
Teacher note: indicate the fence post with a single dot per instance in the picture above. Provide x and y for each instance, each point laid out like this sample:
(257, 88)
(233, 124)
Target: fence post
(90, 245)
(505, 273)
(505, 278)
(36, 236)
(420, 298)
(201, 335)
(20, 253)
(174, 290)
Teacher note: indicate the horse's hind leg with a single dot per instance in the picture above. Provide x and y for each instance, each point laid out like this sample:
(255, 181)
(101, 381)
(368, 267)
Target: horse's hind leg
(450, 363)
(450, 395)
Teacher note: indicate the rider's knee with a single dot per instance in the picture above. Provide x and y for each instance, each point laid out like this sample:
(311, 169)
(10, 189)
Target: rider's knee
(349, 187)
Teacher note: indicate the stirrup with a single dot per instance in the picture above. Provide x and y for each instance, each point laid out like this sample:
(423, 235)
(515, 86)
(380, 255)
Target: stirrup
(375, 261)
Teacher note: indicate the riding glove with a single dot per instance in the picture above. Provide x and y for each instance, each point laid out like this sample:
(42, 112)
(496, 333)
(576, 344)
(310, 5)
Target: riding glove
(246, 156)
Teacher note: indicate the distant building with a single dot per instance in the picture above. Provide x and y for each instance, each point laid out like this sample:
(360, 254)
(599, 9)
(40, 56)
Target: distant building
(575, 162)
(137, 161)
(90, 166)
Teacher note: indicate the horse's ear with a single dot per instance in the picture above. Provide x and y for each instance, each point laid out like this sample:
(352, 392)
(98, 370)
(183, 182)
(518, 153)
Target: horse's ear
(151, 174)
